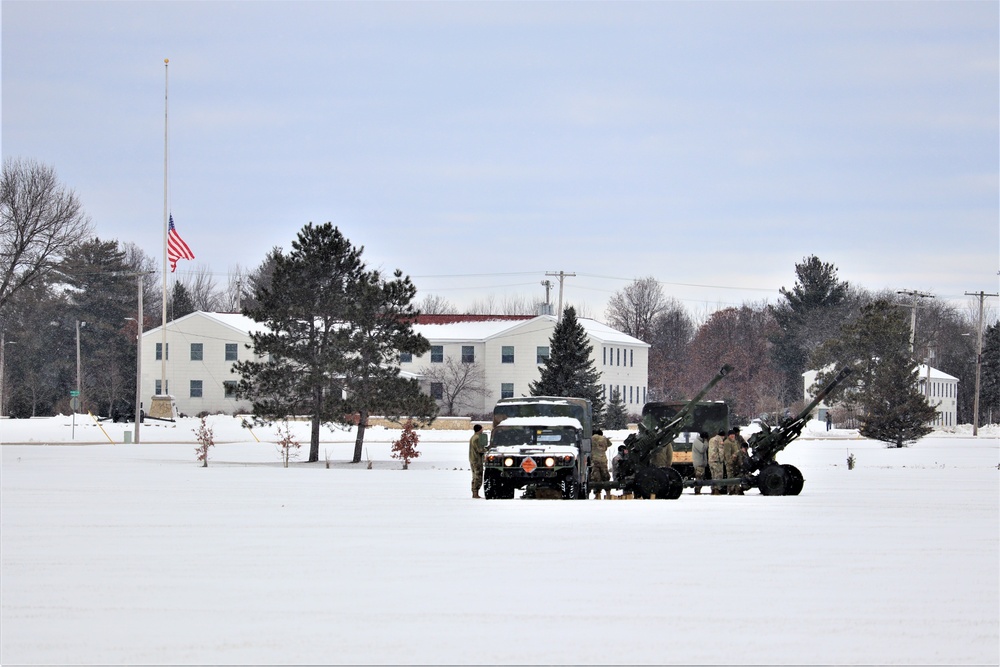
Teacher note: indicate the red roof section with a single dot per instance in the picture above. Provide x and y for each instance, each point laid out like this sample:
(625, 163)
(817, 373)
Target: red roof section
(451, 319)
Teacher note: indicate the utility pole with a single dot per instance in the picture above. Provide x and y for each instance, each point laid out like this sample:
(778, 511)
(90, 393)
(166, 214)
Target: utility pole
(561, 275)
(547, 284)
(913, 312)
(979, 358)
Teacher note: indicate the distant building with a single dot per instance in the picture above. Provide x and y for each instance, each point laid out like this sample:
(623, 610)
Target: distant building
(202, 348)
(940, 389)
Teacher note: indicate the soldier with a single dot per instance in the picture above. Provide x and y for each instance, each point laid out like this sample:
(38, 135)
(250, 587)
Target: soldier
(741, 464)
(715, 459)
(616, 464)
(730, 449)
(599, 460)
(477, 451)
(699, 458)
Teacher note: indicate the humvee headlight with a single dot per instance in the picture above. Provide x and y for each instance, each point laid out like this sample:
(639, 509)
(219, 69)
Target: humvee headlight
(508, 462)
(550, 462)
(567, 458)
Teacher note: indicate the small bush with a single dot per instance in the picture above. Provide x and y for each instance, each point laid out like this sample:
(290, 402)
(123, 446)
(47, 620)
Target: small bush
(406, 447)
(288, 446)
(206, 439)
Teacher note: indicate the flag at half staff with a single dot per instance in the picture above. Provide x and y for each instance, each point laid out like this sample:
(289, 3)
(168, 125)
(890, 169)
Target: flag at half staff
(176, 248)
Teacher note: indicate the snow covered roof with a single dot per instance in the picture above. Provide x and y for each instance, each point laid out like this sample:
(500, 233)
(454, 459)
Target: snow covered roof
(935, 374)
(454, 328)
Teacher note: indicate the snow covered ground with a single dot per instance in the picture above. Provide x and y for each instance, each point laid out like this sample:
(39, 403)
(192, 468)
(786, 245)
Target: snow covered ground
(134, 554)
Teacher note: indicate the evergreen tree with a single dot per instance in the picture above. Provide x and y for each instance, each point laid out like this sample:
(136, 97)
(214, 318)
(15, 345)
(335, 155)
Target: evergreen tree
(989, 375)
(884, 388)
(333, 337)
(103, 294)
(381, 326)
(895, 410)
(616, 415)
(569, 370)
(810, 314)
(180, 303)
(303, 350)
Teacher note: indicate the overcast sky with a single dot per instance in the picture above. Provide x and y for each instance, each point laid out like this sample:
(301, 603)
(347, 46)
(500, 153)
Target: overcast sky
(477, 146)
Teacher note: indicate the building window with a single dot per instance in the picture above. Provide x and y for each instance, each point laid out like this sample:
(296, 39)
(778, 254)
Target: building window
(507, 354)
(631, 358)
(604, 360)
(231, 352)
(437, 354)
(229, 386)
(159, 351)
(437, 391)
(468, 354)
(618, 356)
(405, 357)
(197, 351)
(156, 388)
(506, 390)
(195, 388)
(541, 354)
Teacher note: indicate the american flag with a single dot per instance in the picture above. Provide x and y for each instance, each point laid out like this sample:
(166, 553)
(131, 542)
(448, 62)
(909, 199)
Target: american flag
(176, 248)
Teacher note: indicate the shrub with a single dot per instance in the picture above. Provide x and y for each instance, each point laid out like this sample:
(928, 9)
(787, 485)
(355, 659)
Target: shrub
(206, 439)
(406, 447)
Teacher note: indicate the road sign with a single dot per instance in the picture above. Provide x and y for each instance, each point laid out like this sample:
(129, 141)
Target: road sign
(74, 392)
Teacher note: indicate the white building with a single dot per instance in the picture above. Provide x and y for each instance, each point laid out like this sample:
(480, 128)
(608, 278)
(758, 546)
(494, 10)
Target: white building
(511, 349)
(940, 389)
(201, 350)
(507, 350)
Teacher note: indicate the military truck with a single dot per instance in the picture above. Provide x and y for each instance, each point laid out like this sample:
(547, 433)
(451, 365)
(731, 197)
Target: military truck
(540, 444)
(706, 417)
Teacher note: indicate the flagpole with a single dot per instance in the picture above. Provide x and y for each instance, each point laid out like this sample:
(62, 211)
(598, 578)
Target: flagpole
(163, 328)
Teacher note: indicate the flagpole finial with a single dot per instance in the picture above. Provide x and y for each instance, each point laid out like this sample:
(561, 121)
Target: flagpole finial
(166, 60)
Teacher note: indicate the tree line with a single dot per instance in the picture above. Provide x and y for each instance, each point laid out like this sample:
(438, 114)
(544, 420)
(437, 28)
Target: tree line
(57, 278)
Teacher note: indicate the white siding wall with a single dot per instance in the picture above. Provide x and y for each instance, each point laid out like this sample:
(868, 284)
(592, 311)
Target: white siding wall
(212, 370)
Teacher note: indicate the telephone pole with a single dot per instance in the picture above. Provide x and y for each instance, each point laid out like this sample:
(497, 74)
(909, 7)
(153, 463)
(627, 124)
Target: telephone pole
(979, 358)
(913, 311)
(561, 275)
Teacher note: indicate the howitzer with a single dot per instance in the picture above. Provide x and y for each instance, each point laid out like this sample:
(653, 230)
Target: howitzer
(775, 479)
(640, 475)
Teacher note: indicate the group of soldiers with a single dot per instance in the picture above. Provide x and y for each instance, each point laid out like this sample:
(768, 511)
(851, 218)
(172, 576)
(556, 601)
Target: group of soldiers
(725, 455)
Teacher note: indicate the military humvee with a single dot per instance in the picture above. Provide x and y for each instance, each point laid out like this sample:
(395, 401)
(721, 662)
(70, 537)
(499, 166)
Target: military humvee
(540, 444)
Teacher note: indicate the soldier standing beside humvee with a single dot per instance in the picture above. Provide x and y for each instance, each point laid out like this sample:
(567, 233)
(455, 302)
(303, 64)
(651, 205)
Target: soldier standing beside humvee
(599, 460)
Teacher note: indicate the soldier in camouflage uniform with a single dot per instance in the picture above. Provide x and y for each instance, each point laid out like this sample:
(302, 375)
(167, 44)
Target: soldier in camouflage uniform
(730, 449)
(477, 452)
(741, 463)
(599, 460)
(699, 458)
(715, 459)
(616, 464)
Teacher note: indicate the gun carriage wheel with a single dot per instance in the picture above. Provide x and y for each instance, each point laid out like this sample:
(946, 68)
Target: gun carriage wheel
(773, 480)
(794, 480)
(663, 483)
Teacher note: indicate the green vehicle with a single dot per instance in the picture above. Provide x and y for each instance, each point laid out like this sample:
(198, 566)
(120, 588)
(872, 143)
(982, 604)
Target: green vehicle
(706, 417)
(540, 444)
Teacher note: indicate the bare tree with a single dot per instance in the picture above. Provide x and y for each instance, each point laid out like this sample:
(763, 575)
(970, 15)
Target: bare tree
(201, 286)
(460, 383)
(433, 304)
(673, 331)
(39, 221)
(633, 309)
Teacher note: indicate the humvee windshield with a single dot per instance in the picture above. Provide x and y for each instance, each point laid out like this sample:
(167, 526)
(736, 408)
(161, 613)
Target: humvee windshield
(577, 408)
(516, 436)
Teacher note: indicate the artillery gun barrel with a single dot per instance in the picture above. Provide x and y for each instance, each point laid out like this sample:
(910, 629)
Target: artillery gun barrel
(768, 443)
(641, 447)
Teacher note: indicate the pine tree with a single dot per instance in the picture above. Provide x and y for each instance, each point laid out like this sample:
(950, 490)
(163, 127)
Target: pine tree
(884, 384)
(180, 303)
(616, 416)
(569, 370)
(334, 331)
(810, 314)
(989, 379)
(895, 410)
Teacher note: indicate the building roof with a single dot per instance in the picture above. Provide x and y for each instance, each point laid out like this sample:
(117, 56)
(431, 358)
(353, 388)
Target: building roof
(443, 328)
(935, 374)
